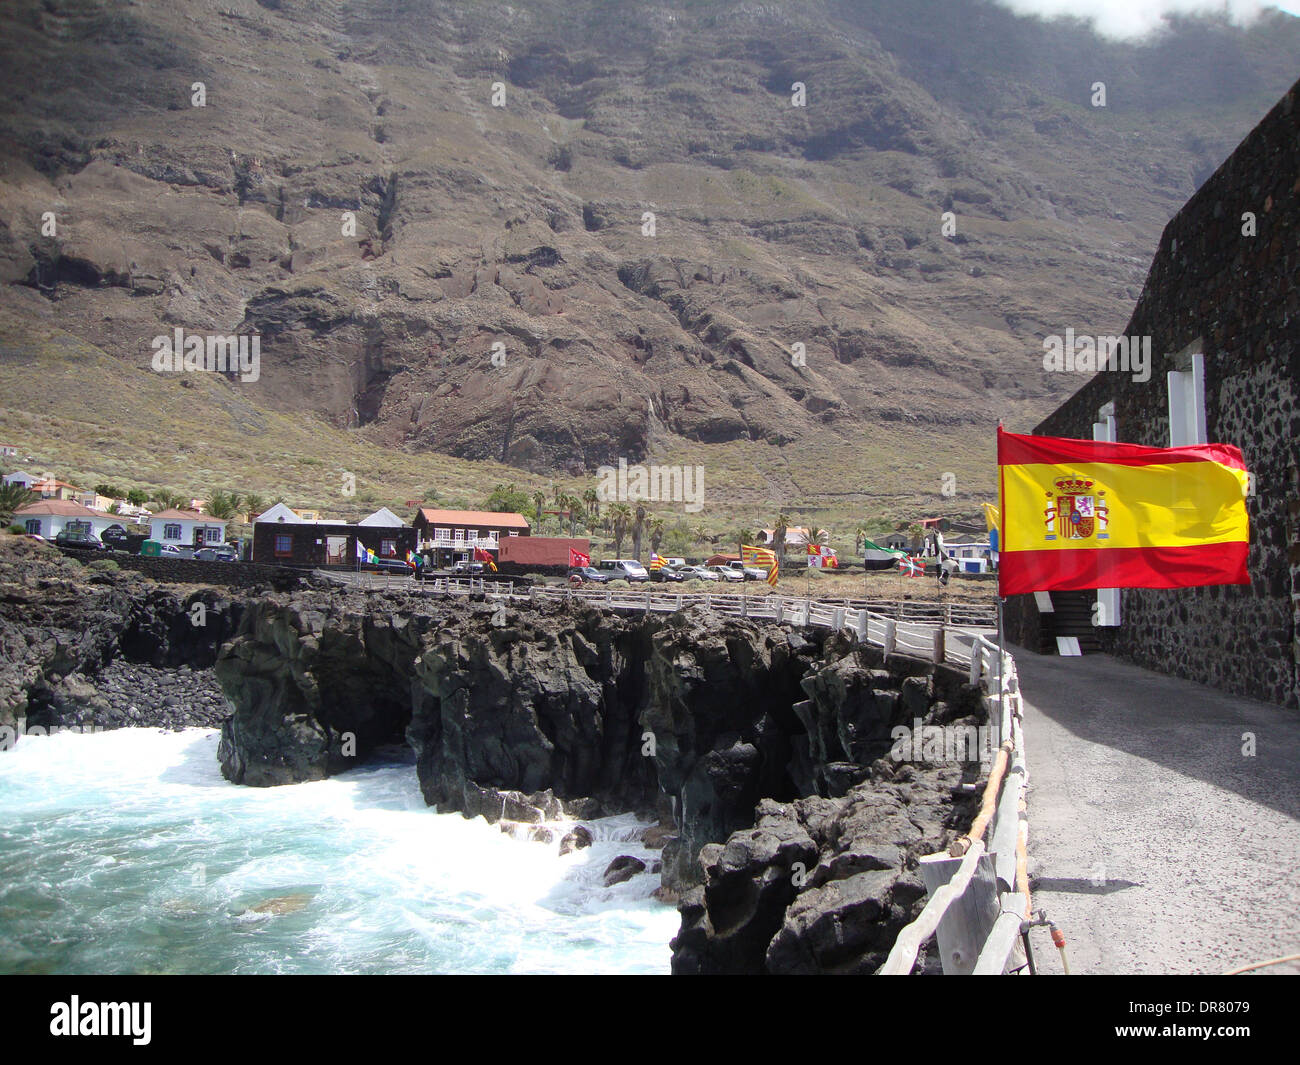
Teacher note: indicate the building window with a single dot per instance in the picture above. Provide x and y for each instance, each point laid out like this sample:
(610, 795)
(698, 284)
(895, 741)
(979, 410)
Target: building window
(513, 532)
(171, 532)
(387, 548)
(212, 536)
(1187, 404)
(283, 545)
(460, 534)
(34, 526)
(1106, 609)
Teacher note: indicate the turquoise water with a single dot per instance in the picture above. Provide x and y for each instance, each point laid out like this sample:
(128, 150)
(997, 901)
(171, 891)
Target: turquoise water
(126, 852)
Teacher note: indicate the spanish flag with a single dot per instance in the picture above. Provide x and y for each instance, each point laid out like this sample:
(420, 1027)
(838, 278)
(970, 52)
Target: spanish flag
(1090, 514)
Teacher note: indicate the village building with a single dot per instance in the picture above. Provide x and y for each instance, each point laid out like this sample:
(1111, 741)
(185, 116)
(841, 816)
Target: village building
(20, 477)
(450, 535)
(282, 537)
(1219, 305)
(49, 517)
(186, 528)
(49, 488)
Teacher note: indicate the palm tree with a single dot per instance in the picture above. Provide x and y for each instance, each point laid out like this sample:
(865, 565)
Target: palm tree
(254, 503)
(592, 498)
(573, 505)
(859, 538)
(539, 497)
(700, 534)
(224, 505)
(167, 499)
(620, 517)
(778, 534)
(14, 497)
(638, 528)
(743, 537)
(656, 534)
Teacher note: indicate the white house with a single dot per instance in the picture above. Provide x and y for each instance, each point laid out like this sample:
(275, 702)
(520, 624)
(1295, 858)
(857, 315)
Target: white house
(49, 517)
(186, 528)
(19, 477)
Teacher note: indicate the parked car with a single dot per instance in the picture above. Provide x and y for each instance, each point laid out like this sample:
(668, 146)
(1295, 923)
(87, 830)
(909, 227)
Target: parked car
(623, 569)
(216, 554)
(467, 566)
(172, 551)
(87, 541)
(666, 573)
(697, 573)
(387, 565)
(748, 573)
(587, 575)
(726, 573)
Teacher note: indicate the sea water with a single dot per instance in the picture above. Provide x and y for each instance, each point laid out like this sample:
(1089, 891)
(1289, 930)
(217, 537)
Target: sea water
(127, 852)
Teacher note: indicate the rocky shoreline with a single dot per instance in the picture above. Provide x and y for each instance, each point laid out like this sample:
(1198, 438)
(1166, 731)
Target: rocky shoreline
(788, 836)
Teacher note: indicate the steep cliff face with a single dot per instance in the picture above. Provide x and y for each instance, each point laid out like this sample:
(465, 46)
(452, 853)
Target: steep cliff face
(90, 646)
(633, 200)
(793, 839)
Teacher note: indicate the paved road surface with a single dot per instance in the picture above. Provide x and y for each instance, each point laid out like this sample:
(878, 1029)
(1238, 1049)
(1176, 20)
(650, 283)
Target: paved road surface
(1155, 844)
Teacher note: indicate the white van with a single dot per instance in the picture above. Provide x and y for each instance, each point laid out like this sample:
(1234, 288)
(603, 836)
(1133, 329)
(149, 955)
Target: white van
(628, 569)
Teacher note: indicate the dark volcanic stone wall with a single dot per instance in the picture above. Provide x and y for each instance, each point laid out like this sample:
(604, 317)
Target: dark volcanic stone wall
(1236, 298)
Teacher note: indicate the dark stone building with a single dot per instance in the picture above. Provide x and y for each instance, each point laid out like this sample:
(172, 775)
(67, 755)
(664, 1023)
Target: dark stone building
(282, 538)
(1221, 305)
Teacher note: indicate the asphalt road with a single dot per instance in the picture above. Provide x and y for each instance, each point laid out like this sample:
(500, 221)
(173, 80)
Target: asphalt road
(1155, 843)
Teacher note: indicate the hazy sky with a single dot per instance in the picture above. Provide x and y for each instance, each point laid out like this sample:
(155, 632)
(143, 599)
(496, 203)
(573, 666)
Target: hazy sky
(1133, 18)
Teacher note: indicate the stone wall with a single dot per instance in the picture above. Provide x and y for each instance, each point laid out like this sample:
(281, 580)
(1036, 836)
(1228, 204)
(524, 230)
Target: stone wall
(193, 571)
(1234, 297)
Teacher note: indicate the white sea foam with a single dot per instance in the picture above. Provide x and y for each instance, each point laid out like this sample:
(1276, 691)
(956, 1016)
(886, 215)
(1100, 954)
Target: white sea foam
(126, 851)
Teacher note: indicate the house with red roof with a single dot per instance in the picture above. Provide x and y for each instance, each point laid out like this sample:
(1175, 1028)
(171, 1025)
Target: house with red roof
(49, 517)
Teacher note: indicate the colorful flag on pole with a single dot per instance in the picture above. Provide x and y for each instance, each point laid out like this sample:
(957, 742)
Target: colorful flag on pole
(990, 516)
(577, 558)
(759, 556)
(1091, 514)
(655, 561)
(774, 572)
(912, 567)
(483, 555)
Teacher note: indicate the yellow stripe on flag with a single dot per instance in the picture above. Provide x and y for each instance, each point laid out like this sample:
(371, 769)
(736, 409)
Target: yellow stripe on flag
(1158, 505)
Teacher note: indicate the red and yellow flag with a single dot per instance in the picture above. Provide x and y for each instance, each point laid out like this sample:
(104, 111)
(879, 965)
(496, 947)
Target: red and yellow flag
(1090, 514)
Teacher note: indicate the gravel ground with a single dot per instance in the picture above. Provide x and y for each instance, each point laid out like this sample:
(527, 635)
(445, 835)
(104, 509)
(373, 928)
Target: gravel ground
(1154, 843)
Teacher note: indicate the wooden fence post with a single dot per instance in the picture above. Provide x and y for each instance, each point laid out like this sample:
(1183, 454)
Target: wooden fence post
(938, 651)
(862, 626)
(891, 636)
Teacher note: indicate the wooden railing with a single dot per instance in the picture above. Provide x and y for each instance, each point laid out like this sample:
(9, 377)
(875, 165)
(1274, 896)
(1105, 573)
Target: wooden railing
(938, 632)
(979, 891)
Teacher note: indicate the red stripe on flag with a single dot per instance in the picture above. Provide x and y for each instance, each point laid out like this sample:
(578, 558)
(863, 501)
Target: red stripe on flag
(1123, 567)
(1015, 449)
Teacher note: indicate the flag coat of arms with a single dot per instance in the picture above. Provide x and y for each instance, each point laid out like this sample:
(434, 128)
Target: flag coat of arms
(1080, 514)
(577, 558)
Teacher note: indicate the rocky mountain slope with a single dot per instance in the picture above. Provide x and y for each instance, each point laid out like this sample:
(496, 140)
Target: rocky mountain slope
(796, 320)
